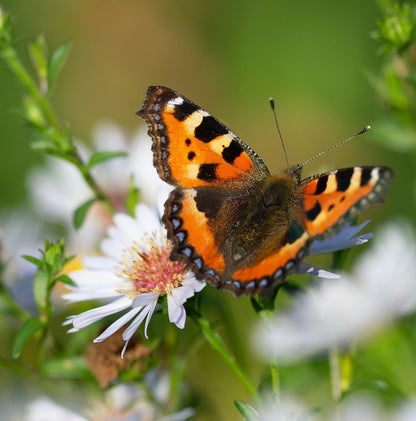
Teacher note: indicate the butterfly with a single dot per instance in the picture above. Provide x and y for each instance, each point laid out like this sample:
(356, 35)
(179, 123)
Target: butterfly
(231, 221)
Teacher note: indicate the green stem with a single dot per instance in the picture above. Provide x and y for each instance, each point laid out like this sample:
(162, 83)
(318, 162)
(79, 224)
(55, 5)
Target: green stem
(15, 65)
(177, 374)
(335, 373)
(266, 315)
(218, 344)
(17, 368)
(275, 379)
(92, 184)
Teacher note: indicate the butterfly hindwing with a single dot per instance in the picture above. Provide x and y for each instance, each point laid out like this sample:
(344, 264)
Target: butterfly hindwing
(193, 149)
(333, 199)
(199, 223)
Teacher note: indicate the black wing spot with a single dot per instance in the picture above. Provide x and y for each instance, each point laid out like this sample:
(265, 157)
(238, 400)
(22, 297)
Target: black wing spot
(344, 179)
(184, 110)
(191, 155)
(312, 213)
(188, 142)
(330, 207)
(232, 151)
(209, 129)
(321, 185)
(207, 172)
(365, 176)
(294, 232)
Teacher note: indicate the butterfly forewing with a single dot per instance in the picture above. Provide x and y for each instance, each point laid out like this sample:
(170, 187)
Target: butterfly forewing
(193, 149)
(333, 199)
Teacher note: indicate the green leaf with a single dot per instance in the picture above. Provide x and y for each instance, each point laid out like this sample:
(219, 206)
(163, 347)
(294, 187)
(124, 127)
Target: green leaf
(65, 368)
(41, 145)
(247, 411)
(99, 157)
(40, 289)
(54, 257)
(33, 260)
(395, 136)
(38, 53)
(64, 279)
(81, 212)
(132, 199)
(28, 329)
(56, 62)
(33, 113)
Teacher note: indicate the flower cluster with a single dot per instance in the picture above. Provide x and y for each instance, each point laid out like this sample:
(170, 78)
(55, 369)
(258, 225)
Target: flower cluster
(135, 271)
(339, 311)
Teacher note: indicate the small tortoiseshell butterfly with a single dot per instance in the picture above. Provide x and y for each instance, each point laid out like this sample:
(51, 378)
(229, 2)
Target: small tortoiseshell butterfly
(229, 219)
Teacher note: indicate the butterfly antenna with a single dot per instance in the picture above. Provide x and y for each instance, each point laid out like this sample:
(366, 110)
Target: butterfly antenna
(366, 129)
(272, 106)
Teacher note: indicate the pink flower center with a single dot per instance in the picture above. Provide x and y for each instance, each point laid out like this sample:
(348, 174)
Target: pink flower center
(148, 267)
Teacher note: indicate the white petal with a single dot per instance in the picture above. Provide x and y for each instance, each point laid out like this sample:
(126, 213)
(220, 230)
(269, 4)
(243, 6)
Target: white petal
(179, 416)
(68, 320)
(141, 164)
(149, 316)
(110, 248)
(187, 290)
(129, 229)
(181, 294)
(88, 317)
(192, 282)
(312, 270)
(129, 332)
(117, 325)
(145, 299)
(162, 195)
(44, 409)
(177, 313)
(343, 239)
(72, 330)
(147, 218)
(94, 279)
(79, 295)
(98, 263)
(107, 136)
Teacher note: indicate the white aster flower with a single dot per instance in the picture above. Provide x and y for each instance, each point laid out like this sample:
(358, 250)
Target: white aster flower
(140, 161)
(337, 312)
(367, 407)
(20, 234)
(57, 188)
(122, 402)
(135, 271)
(284, 408)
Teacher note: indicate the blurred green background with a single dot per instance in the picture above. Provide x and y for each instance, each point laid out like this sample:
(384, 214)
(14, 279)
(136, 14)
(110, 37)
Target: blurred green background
(229, 57)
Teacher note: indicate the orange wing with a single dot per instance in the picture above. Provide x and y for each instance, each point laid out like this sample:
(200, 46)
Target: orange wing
(262, 276)
(333, 199)
(193, 149)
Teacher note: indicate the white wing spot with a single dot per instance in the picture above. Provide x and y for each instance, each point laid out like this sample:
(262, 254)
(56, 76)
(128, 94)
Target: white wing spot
(375, 174)
(176, 101)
